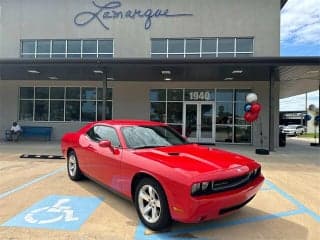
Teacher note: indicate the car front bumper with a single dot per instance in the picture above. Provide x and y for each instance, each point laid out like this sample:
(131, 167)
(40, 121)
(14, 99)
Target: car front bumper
(203, 208)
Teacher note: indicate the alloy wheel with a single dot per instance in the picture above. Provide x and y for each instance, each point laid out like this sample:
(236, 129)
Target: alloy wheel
(72, 165)
(149, 204)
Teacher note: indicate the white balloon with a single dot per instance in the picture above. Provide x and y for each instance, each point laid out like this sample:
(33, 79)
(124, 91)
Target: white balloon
(251, 98)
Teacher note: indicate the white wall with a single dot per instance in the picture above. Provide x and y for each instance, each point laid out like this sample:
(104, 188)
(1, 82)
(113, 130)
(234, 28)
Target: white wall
(48, 19)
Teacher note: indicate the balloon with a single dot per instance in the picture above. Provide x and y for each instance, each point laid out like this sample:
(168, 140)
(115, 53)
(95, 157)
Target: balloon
(255, 108)
(247, 107)
(252, 97)
(251, 117)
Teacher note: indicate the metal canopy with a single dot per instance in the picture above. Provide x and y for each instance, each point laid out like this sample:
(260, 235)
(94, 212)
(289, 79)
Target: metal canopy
(297, 74)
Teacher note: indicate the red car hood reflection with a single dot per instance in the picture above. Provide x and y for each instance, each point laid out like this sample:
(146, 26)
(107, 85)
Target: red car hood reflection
(198, 159)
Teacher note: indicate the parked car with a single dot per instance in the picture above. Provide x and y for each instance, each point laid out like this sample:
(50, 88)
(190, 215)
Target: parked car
(281, 128)
(293, 130)
(165, 176)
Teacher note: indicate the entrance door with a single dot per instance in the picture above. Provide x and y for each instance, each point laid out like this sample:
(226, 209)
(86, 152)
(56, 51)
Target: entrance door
(198, 122)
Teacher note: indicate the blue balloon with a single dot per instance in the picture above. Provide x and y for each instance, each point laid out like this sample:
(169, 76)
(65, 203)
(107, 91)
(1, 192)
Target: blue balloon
(247, 107)
(317, 118)
(307, 117)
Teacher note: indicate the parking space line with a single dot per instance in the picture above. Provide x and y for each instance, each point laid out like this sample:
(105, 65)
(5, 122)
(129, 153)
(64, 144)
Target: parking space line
(214, 225)
(5, 194)
(294, 201)
(301, 209)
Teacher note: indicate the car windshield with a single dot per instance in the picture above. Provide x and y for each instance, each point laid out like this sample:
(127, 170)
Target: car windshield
(151, 136)
(291, 127)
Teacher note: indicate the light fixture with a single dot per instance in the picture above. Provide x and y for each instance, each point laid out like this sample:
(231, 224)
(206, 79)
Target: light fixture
(33, 71)
(166, 75)
(238, 71)
(165, 72)
(98, 71)
(228, 79)
(110, 79)
(53, 78)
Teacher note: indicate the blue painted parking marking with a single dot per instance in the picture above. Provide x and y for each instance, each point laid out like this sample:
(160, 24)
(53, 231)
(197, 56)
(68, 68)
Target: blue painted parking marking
(268, 186)
(294, 201)
(56, 212)
(23, 186)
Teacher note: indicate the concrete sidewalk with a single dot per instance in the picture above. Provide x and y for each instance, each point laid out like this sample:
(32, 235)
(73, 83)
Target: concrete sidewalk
(296, 151)
(30, 147)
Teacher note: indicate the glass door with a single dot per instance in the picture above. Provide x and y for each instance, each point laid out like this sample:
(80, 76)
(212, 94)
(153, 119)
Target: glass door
(199, 122)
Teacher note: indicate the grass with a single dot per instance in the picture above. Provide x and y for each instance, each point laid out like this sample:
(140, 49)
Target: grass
(308, 135)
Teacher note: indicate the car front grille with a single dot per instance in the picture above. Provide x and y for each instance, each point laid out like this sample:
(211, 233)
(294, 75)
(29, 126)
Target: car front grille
(229, 184)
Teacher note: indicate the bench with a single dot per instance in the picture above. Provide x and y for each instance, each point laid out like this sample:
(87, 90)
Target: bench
(36, 131)
(32, 131)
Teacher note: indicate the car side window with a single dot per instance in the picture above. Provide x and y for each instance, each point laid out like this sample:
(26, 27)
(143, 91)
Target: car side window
(99, 133)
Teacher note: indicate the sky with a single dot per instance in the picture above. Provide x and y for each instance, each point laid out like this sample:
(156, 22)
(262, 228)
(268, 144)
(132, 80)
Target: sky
(300, 36)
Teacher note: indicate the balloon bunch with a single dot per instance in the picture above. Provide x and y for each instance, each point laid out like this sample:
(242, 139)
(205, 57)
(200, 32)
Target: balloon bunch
(252, 108)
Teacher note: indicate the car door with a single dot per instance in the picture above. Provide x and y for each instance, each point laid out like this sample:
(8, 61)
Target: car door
(106, 164)
(89, 143)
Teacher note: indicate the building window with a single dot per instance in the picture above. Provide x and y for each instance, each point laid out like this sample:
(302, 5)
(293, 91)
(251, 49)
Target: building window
(201, 48)
(63, 104)
(73, 48)
(166, 105)
(28, 49)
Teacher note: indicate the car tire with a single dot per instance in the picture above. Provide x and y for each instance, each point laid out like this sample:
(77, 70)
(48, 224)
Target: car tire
(295, 134)
(150, 196)
(74, 171)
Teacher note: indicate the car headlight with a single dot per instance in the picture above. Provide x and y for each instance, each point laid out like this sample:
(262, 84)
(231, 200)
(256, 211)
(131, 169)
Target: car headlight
(199, 188)
(195, 188)
(204, 186)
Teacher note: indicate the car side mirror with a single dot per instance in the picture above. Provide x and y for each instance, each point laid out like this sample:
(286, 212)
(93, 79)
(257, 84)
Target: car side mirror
(107, 144)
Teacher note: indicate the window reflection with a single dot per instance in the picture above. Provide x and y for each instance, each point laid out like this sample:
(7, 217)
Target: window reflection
(56, 110)
(26, 110)
(41, 110)
(224, 113)
(242, 134)
(174, 112)
(223, 133)
(63, 104)
(158, 112)
(88, 111)
(72, 110)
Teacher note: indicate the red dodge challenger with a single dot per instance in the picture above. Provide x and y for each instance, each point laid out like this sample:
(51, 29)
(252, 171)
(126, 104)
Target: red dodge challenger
(165, 176)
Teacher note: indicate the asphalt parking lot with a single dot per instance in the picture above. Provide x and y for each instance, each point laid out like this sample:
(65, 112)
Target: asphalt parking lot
(38, 201)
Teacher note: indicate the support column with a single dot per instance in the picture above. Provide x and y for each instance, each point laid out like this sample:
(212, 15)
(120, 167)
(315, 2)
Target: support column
(104, 96)
(318, 143)
(273, 109)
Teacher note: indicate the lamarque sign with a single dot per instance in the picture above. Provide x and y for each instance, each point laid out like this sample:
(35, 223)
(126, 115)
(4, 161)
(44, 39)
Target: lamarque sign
(113, 11)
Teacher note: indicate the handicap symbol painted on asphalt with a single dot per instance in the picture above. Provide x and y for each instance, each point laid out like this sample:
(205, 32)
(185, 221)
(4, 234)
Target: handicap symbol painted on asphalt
(57, 212)
(65, 212)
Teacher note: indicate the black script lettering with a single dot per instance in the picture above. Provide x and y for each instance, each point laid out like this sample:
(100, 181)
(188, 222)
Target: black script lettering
(117, 14)
(112, 10)
(148, 14)
(129, 14)
(138, 13)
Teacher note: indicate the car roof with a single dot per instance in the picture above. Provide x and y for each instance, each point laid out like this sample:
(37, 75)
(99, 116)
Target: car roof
(129, 122)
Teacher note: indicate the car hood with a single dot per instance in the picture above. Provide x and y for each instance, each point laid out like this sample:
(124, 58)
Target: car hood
(192, 159)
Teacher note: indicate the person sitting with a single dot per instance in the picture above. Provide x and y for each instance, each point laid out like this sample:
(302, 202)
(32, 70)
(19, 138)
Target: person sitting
(15, 131)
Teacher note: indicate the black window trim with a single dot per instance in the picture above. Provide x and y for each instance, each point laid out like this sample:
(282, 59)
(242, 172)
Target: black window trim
(102, 125)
